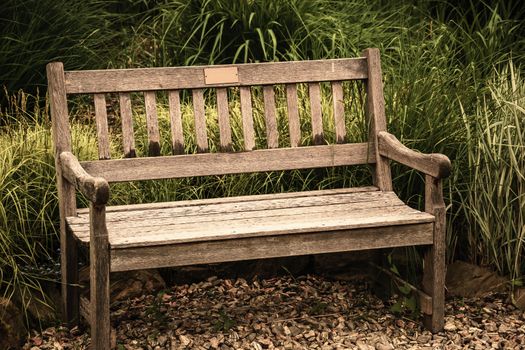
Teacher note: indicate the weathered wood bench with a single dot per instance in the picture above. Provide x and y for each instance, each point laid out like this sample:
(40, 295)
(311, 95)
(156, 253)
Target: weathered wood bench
(181, 233)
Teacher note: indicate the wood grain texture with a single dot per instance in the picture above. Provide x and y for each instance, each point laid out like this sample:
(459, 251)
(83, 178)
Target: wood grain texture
(375, 108)
(85, 309)
(99, 267)
(151, 168)
(95, 189)
(270, 118)
(294, 124)
(214, 227)
(247, 118)
(225, 132)
(200, 120)
(128, 136)
(434, 164)
(145, 79)
(255, 205)
(177, 133)
(434, 267)
(66, 192)
(236, 220)
(269, 247)
(196, 215)
(225, 200)
(152, 123)
(339, 111)
(314, 91)
(101, 119)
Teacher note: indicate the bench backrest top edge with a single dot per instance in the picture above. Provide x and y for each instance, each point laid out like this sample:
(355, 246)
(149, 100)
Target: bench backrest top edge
(193, 77)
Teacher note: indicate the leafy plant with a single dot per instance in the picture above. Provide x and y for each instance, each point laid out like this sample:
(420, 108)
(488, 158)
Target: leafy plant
(224, 323)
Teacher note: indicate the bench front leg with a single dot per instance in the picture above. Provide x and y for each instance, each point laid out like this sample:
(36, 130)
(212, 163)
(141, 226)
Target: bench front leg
(434, 270)
(99, 256)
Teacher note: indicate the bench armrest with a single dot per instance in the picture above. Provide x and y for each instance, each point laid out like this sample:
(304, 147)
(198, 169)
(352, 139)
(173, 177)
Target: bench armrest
(96, 189)
(434, 164)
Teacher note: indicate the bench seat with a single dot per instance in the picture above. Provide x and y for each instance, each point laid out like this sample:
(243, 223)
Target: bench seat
(289, 219)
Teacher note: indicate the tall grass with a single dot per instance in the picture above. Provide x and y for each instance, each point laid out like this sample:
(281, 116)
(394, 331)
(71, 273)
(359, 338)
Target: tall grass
(450, 87)
(28, 199)
(493, 198)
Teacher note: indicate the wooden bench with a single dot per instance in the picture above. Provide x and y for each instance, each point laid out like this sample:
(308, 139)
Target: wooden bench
(140, 236)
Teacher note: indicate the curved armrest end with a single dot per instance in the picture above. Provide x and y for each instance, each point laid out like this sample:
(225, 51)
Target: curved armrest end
(96, 189)
(435, 164)
(443, 165)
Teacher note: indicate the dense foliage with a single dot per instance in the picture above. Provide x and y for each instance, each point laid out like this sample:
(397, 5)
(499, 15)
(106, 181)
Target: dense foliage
(453, 84)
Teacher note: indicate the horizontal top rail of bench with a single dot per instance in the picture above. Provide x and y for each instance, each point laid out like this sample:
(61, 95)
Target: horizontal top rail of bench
(195, 77)
(204, 164)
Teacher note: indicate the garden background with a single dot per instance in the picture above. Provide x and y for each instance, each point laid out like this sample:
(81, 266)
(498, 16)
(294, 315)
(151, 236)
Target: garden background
(453, 77)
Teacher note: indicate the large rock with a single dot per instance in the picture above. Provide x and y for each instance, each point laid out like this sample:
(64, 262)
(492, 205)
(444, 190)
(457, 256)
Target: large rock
(471, 281)
(12, 327)
(519, 298)
(129, 284)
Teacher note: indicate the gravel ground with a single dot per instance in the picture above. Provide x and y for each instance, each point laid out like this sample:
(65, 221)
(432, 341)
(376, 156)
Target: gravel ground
(307, 312)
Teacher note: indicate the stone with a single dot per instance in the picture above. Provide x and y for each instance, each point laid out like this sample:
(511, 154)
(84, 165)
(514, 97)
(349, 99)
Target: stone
(129, 284)
(12, 328)
(214, 342)
(362, 346)
(519, 298)
(450, 326)
(384, 346)
(184, 340)
(471, 281)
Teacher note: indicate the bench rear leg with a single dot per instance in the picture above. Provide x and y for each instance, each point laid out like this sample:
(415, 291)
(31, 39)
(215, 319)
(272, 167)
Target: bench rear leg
(69, 272)
(99, 279)
(434, 263)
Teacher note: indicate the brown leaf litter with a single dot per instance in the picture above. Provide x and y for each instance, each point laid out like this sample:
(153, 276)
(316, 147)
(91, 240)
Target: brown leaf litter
(307, 312)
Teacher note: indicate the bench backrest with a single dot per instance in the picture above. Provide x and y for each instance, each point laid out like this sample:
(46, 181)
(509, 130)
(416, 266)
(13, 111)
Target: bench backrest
(123, 82)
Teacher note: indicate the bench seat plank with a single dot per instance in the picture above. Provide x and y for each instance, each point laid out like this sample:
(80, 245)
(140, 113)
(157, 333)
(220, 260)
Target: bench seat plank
(361, 201)
(233, 199)
(244, 219)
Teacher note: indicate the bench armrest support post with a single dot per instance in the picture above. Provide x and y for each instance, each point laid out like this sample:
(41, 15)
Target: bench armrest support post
(434, 268)
(435, 164)
(96, 189)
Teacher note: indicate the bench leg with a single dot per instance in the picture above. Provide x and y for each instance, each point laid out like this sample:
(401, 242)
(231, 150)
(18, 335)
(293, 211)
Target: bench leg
(99, 279)
(69, 272)
(434, 263)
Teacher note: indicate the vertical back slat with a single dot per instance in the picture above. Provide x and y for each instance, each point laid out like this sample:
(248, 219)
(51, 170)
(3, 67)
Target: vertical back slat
(293, 115)
(152, 123)
(128, 138)
(177, 135)
(247, 118)
(317, 118)
(272, 134)
(224, 119)
(375, 107)
(200, 120)
(101, 119)
(339, 111)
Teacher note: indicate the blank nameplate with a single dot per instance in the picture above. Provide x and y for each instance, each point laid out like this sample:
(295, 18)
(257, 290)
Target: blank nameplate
(225, 75)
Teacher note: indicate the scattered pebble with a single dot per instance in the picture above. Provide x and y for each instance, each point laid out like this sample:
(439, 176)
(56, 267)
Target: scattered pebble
(307, 312)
